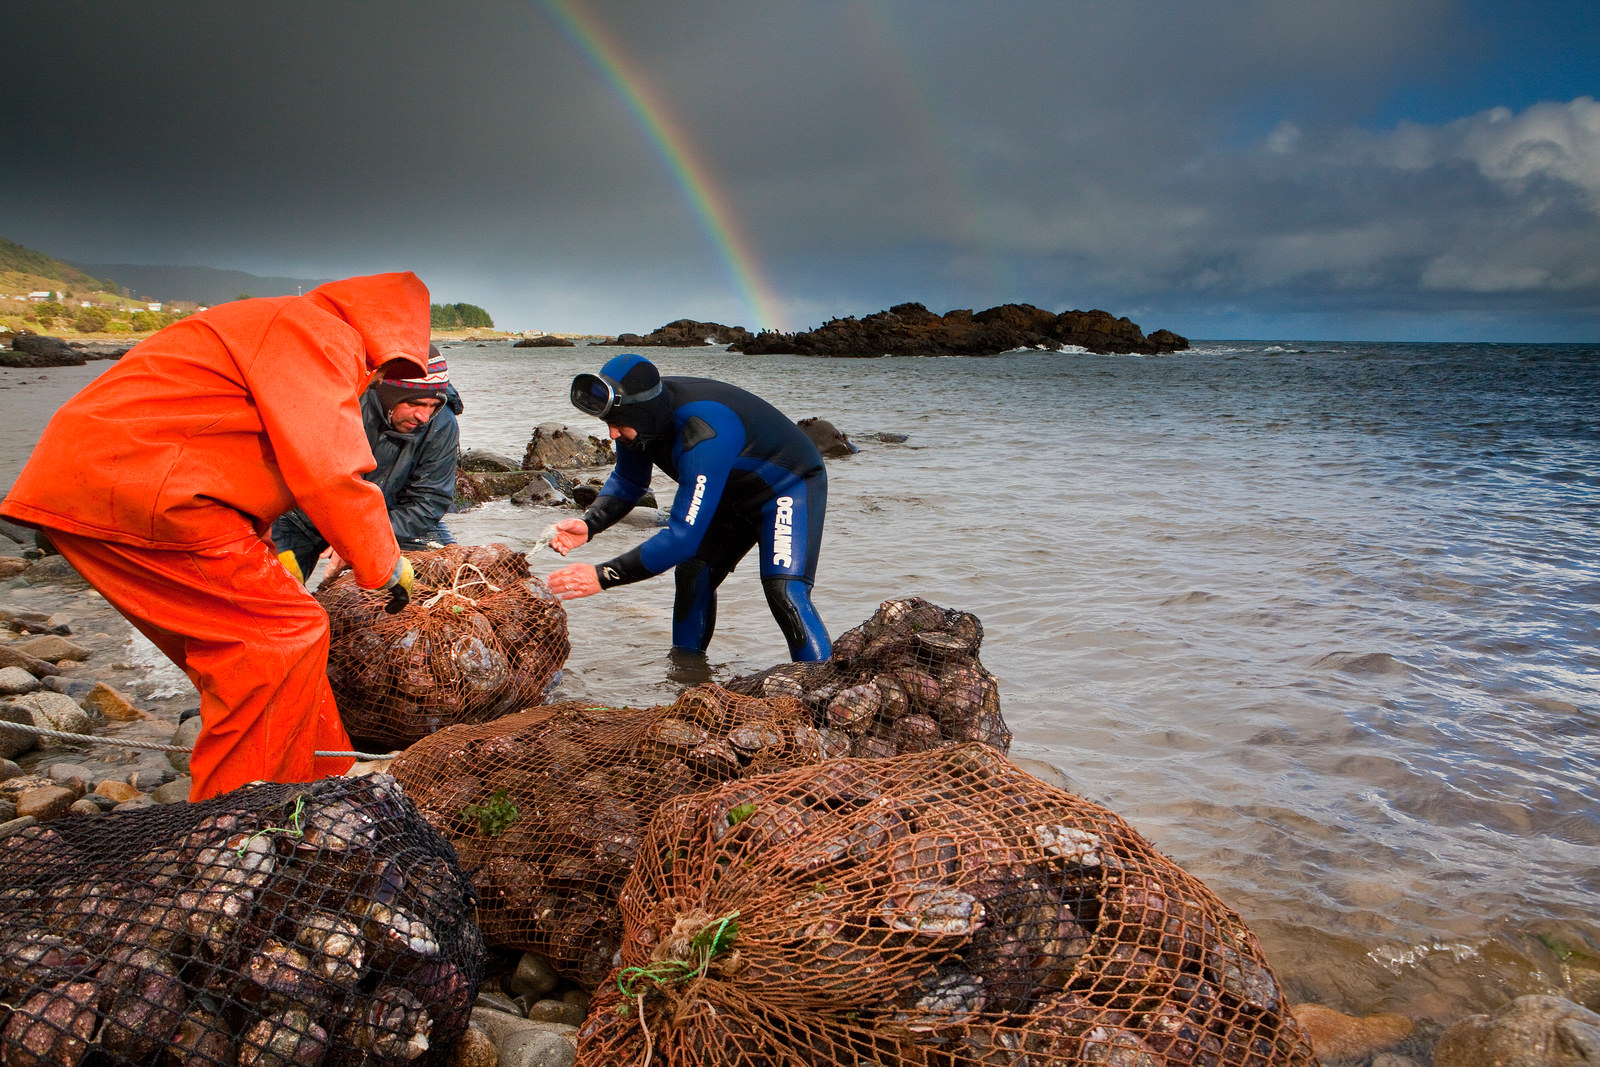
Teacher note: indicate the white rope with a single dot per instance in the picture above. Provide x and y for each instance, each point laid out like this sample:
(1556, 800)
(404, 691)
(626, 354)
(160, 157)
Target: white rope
(455, 588)
(156, 746)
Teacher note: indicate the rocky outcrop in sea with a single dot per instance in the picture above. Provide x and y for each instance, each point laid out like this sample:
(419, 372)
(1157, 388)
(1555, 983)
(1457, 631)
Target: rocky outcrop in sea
(913, 330)
(683, 333)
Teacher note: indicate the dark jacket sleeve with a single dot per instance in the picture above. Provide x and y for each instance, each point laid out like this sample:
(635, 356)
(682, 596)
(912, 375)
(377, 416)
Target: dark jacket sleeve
(425, 496)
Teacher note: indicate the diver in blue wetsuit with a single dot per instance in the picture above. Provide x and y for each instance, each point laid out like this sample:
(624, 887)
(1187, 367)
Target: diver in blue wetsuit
(746, 475)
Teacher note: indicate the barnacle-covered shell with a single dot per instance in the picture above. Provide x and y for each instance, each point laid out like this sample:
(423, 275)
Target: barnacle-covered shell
(289, 1037)
(855, 707)
(931, 910)
(53, 1027)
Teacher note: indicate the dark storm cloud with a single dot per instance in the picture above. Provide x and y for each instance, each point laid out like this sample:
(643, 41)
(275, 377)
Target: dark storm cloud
(1171, 157)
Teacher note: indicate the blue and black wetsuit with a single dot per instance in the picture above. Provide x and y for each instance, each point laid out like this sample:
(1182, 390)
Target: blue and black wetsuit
(746, 476)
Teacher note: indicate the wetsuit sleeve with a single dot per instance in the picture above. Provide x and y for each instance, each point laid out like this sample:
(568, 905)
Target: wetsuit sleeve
(431, 485)
(629, 481)
(703, 471)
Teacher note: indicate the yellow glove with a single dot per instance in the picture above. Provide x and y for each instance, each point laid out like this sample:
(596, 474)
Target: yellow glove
(399, 586)
(291, 565)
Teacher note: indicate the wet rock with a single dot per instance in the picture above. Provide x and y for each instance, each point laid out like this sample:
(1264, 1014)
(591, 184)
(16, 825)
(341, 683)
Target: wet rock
(20, 823)
(184, 736)
(482, 459)
(45, 802)
(473, 1049)
(85, 806)
(478, 487)
(173, 792)
(1531, 1031)
(54, 570)
(115, 791)
(14, 681)
(830, 441)
(33, 622)
(10, 657)
(8, 770)
(539, 492)
(11, 566)
(76, 688)
(686, 333)
(524, 1043)
(554, 445)
(533, 977)
(53, 648)
(75, 776)
(14, 743)
(55, 711)
(39, 350)
(1335, 1035)
(555, 1011)
(110, 704)
(8, 811)
(547, 341)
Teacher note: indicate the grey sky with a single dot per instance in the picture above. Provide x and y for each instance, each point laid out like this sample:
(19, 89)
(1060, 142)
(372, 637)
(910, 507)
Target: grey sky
(1331, 169)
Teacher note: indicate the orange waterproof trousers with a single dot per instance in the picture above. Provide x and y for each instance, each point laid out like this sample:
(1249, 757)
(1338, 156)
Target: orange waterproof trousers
(251, 639)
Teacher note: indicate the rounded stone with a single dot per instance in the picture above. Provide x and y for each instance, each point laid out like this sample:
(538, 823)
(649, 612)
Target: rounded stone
(15, 681)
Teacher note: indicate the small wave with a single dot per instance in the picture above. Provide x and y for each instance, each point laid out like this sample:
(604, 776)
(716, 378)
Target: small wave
(1194, 597)
(1362, 663)
(1396, 958)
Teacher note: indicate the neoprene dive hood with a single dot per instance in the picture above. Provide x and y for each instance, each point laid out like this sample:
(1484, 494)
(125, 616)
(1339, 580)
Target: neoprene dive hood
(626, 392)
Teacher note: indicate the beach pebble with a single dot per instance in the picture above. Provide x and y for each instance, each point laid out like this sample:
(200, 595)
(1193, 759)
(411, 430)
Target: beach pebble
(11, 566)
(14, 681)
(10, 657)
(115, 791)
(184, 737)
(555, 1011)
(525, 1043)
(143, 800)
(473, 1049)
(111, 704)
(76, 688)
(20, 823)
(52, 647)
(75, 776)
(85, 806)
(54, 570)
(16, 742)
(8, 770)
(1531, 1031)
(1335, 1035)
(173, 792)
(55, 711)
(45, 802)
(533, 977)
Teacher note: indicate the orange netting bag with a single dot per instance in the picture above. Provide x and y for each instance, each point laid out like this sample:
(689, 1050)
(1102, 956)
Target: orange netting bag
(906, 680)
(479, 639)
(938, 908)
(546, 809)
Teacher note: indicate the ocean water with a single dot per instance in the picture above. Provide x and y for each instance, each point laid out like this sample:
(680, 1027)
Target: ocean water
(1322, 621)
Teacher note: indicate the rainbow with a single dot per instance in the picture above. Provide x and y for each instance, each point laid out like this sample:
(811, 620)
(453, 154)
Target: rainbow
(691, 174)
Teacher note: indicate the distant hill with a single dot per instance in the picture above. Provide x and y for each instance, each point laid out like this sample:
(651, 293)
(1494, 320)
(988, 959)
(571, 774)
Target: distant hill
(203, 285)
(25, 261)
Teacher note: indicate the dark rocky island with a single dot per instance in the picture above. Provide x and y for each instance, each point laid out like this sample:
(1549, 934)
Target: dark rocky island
(913, 330)
(684, 333)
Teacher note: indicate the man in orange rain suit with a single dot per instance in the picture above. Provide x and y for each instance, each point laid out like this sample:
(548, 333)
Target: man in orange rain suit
(159, 480)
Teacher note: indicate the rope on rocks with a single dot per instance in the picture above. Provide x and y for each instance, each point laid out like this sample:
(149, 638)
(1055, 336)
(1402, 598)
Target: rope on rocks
(156, 746)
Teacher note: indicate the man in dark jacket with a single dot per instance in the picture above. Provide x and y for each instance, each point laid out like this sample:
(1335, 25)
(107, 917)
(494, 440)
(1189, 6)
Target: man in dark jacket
(746, 475)
(412, 431)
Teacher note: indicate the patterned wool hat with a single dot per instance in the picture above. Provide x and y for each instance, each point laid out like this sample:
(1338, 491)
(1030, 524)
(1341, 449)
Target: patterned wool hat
(430, 386)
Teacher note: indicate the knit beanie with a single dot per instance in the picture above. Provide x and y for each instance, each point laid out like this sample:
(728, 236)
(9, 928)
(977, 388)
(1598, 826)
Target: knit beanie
(430, 386)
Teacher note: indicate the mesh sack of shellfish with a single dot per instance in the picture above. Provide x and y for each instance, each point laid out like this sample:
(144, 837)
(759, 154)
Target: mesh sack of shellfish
(479, 639)
(906, 680)
(274, 925)
(546, 808)
(941, 907)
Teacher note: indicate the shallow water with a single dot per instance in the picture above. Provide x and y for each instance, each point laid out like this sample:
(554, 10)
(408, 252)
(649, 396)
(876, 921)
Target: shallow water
(1319, 620)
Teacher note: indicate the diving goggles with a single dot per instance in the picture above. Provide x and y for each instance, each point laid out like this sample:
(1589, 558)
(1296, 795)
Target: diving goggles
(597, 395)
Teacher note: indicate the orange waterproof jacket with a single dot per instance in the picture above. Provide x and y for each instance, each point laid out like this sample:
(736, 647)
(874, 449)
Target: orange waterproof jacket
(219, 423)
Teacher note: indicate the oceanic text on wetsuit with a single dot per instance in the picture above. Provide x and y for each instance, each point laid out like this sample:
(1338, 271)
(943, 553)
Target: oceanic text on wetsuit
(694, 504)
(782, 533)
